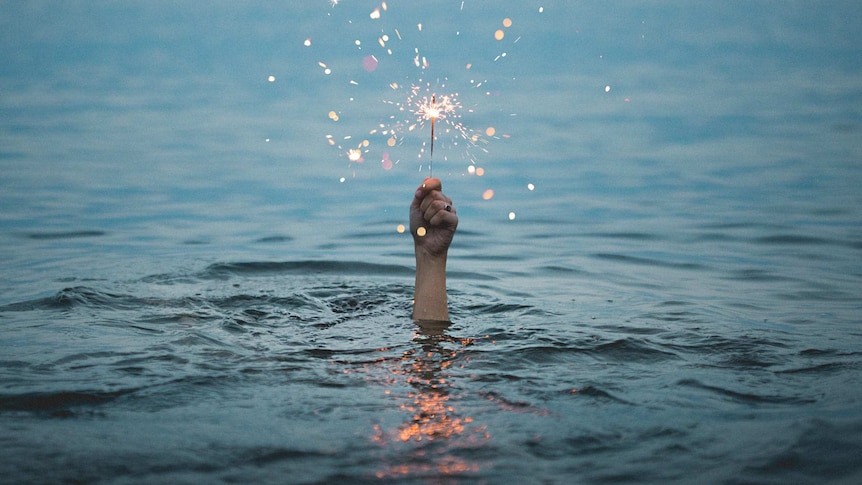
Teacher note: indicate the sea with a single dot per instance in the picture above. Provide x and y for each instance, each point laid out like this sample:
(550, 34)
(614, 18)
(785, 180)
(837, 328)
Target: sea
(204, 275)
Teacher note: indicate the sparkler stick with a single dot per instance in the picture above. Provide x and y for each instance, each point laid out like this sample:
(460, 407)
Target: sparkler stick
(433, 118)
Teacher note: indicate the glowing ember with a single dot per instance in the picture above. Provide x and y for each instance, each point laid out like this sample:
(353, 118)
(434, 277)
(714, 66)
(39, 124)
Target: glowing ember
(355, 155)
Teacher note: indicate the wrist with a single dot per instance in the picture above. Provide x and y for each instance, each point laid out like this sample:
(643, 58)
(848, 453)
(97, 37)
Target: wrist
(425, 257)
(430, 302)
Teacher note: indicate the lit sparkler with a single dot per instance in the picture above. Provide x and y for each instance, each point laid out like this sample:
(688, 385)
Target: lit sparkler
(427, 106)
(417, 103)
(432, 110)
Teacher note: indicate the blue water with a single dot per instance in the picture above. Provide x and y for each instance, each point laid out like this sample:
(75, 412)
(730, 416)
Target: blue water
(195, 287)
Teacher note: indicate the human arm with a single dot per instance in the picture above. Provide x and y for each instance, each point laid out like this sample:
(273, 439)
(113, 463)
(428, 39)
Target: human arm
(433, 222)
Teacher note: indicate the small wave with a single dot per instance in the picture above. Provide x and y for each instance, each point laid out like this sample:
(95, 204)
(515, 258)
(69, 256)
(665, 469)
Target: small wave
(745, 397)
(632, 236)
(495, 308)
(794, 240)
(744, 352)
(86, 296)
(64, 234)
(59, 403)
(823, 369)
(560, 269)
(224, 270)
(273, 239)
(628, 350)
(751, 274)
(595, 393)
(819, 295)
(622, 258)
(74, 296)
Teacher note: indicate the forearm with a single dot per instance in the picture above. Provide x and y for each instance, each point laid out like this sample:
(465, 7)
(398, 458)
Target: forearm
(429, 297)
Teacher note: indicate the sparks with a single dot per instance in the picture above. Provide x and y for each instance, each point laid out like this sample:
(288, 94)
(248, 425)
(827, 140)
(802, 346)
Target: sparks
(423, 104)
(355, 155)
(432, 109)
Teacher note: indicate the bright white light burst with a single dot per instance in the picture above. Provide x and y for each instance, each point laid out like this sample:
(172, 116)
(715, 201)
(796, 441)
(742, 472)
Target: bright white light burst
(435, 107)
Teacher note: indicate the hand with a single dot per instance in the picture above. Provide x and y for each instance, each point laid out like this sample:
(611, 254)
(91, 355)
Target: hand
(432, 213)
(432, 222)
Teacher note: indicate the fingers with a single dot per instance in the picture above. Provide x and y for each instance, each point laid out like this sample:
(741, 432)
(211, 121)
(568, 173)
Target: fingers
(444, 218)
(432, 204)
(427, 186)
(434, 210)
(436, 200)
(430, 184)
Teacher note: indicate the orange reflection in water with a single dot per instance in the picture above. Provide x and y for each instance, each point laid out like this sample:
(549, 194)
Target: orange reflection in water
(435, 433)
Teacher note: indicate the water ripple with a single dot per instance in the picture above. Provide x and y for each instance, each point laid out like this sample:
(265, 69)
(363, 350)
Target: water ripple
(622, 258)
(745, 397)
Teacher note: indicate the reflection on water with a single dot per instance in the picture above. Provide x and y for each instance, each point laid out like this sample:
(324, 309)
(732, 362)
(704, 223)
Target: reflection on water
(435, 434)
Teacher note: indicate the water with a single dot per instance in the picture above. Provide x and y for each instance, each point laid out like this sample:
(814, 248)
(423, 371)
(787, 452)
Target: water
(189, 293)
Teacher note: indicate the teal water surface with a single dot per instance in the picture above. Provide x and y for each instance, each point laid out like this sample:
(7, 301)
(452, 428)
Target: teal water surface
(196, 286)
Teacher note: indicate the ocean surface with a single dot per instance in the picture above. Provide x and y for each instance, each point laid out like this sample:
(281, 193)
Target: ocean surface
(657, 276)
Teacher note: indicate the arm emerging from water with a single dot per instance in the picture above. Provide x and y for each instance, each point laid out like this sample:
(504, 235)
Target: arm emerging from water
(432, 222)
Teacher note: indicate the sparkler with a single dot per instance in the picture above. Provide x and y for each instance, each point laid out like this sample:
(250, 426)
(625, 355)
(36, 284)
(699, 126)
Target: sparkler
(422, 102)
(433, 119)
(426, 109)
